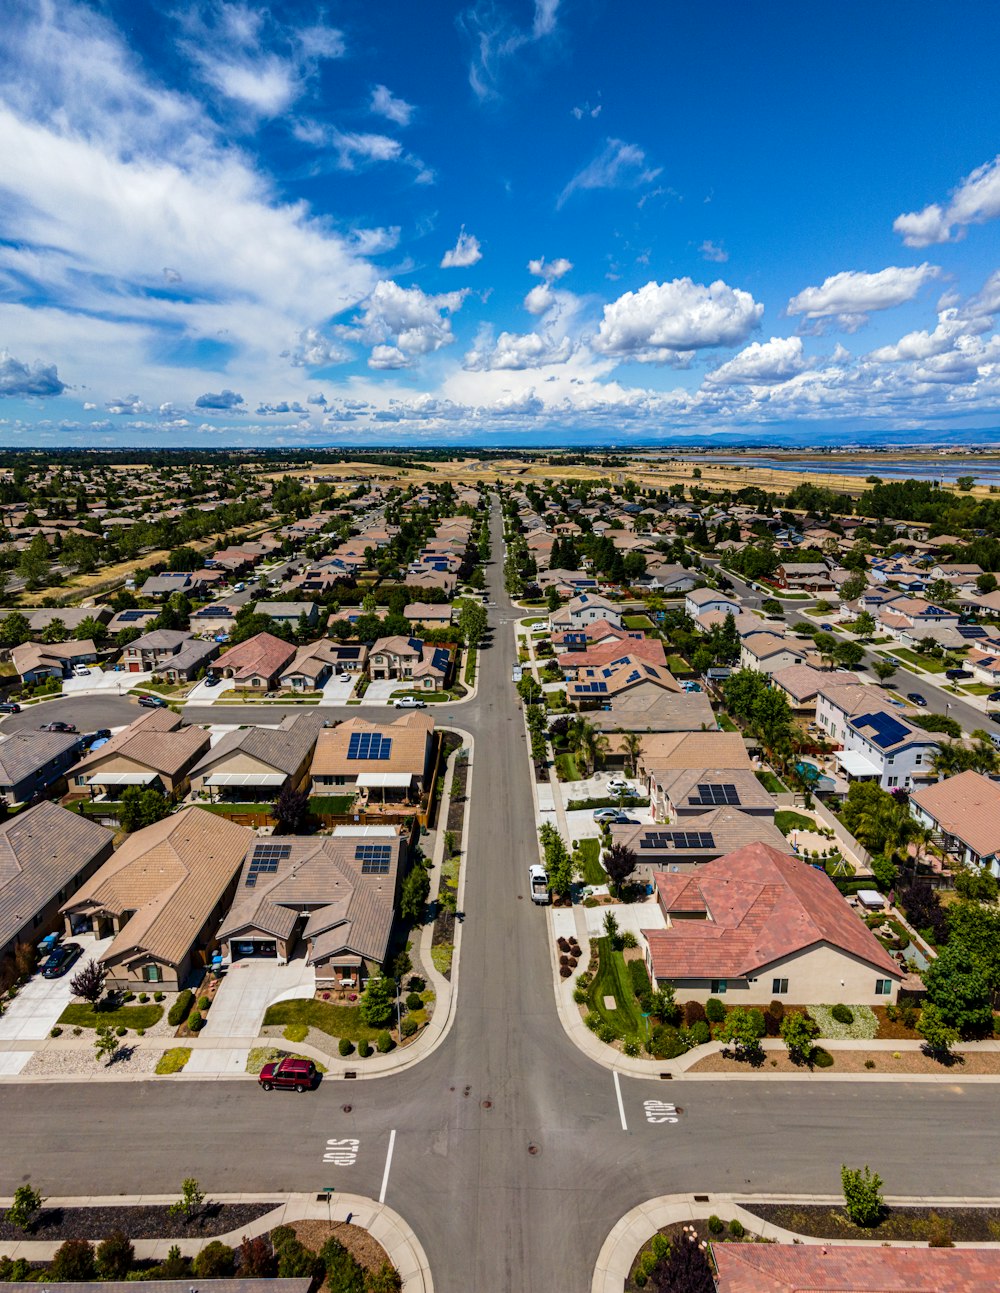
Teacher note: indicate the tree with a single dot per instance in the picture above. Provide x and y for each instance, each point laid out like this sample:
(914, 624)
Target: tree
(986, 583)
(560, 865)
(72, 1262)
(142, 807)
(620, 862)
(23, 1210)
(586, 741)
(938, 1035)
(798, 1032)
(414, 894)
(192, 1197)
(958, 988)
(743, 1028)
(216, 1261)
(883, 670)
(611, 927)
(849, 654)
(377, 1001)
(255, 1259)
(851, 589)
(864, 625)
(106, 1043)
(826, 645)
(472, 622)
(114, 1256)
(385, 1280)
(862, 1195)
(291, 808)
(343, 1274)
(89, 982)
(14, 629)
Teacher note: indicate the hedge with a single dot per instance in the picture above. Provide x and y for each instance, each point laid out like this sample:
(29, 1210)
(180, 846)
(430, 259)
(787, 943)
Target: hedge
(640, 979)
(179, 1010)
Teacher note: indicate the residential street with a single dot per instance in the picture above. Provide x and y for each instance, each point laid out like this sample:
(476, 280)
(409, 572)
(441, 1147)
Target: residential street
(510, 1159)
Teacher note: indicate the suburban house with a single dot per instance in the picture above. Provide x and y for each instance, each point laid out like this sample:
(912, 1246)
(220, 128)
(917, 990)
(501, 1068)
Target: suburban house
(877, 743)
(214, 618)
(39, 618)
(586, 609)
(692, 841)
(428, 615)
(611, 652)
(32, 762)
(908, 618)
(838, 1268)
(336, 893)
(46, 853)
(661, 577)
(702, 600)
(254, 764)
(805, 577)
(769, 652)
(393, 760)
(600, 686)
(257, 662)
(410, 660)
(759, 925)
(289, 613)
(312, 666)
(36, 661)
(160, 587)
(690, 792)
(964, 811)
(161, 896)
(157, 751)
(800, 684)
(661, 754)
(168, 651)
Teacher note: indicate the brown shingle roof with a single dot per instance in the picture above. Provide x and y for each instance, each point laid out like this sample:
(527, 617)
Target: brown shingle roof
(158, 741)
(407, 753)
(966, 806)
(282, 748)
(693, 750)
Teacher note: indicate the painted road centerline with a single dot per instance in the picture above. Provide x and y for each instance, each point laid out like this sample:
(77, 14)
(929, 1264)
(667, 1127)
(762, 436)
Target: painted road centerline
(621, 1105)
(388, 1164)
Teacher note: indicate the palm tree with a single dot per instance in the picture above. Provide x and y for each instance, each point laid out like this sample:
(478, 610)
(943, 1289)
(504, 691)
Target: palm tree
(983, 755)
(586, 742)
(632, 746)
(949, 758)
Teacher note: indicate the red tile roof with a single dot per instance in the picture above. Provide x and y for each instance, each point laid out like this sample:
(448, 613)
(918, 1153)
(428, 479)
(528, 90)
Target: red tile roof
(649, 649)
(762, 905)
(832, 1268)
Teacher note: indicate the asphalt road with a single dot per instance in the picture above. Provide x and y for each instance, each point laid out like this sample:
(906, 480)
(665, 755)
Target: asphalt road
(510, 1159)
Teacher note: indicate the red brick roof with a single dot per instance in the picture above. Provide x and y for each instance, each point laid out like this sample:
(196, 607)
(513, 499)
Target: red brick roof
(779, 1268)
(762, 905)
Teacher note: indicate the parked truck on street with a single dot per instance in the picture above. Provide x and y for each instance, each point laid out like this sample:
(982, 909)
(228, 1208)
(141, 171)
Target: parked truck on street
(539, 883)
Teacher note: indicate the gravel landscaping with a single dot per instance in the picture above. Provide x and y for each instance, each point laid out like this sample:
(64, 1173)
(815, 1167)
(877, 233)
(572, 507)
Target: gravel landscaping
(823, 1221)
(138, 1222)
(966, 1063)
(133, 1060)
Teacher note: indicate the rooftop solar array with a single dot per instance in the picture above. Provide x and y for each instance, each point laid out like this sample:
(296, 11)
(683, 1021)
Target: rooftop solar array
(885, 730)
(710, 793)
(374, 858)
(592, 687)
(678, 840)
(264, 861)
(127, 616)
(972, 630)
(369, 745)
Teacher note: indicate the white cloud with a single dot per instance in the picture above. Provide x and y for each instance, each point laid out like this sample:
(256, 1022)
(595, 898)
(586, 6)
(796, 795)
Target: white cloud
(618, 166)
(851, 294)
(354, 150)
(19, 380)
(761, 362)
(549, 270)
(385, 104)
(974, 201)
(495, 39)
(540, 299)
(514, 350)
(465, 252)
(314, 350)
(126, 404)
(664, 322)
(924, 344)
(403, 323)
(710, 251)
(585, 110)
(226, 399)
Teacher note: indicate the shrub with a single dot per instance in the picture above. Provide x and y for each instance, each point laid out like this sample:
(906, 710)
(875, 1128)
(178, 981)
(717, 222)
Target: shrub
(345, 1046)
(140, 1032)
(715, 1011)
(409, 1027)
(216, 1261)
(296, 1032)
(121, 1030)
(158, 996)
(179, 1010)
(665, 1043)
(114, 1256)
(822, 1058)
(843, 1014)
(699, 1033)
(255, 1259)
(296, 1261)
(736, 1228)
(364, 1049)
(628, 939)
(55, 1032)
(203, 1004)
(908, 1014)
(565, 972)
(72, 1262)
(129, 996)
(416, 984)
(385, 1280)
(343, 1274)
(606, 1031)
(862, 1195)
(384, 1043)
(694, 1013)
(939, 1231)
(641, 985)
(715, 1225)
(869, 1064)
(580, 996)
(281, 1235)
(631, 1047)
(414, 1001)
(144, 996)
(195, 1021)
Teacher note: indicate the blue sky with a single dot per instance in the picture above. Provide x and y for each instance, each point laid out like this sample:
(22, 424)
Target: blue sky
(517, 221)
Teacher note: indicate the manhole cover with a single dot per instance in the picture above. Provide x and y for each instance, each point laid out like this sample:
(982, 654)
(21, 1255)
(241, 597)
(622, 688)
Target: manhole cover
(533, 1149)
(467, 1090)
(346, 1108)
(486, 1104)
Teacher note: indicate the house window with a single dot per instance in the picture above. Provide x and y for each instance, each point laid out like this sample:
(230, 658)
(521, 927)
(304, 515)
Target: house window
(718, 987)
(893, 781)
(151, 974)
(254, 682)
(883, 987)
(778, 987)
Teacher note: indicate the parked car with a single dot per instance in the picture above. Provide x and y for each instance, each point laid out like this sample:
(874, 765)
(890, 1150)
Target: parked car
(57, 726)
(956, 674)
(993, 698)
(539, 883)
(9, 707)
(61, 960)
(827, 628)
(915, 698)
(80, 671)
(153, 702)
(212, 680)
(409, 702)
(295, 1075)
(608, 815)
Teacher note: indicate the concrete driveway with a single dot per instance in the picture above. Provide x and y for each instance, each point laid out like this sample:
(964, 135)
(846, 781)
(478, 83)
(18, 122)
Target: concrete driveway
(202, 695)
(249, 987)
(338, 688)
(37, 1007)
(380, 691)
(100, 681)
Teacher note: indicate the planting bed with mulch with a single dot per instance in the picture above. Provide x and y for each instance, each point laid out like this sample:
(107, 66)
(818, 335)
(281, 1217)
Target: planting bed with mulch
(825, 1221)
(674, 1232)
(964, 1063)
(365, 1250)
(138, 1222)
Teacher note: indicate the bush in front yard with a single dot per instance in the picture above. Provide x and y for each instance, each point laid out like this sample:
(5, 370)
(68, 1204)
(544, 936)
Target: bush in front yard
(216, 1261)
(158, 996)
(715, 1011)
(843, 1014)
(73, 1261)
(384, 1043)
(179, 1010)
(694, 1012)
(195, 1022)
(203, 1004)
(364, 1050)
(409, 1027)
(414, 1001)
(345, 1046)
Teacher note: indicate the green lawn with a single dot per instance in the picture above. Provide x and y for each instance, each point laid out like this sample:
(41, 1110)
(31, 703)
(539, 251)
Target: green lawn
(566, 768)
(726, 723)
(236, 808)
(637, 622)
(470, 667)
(82, 1015)
(590, 855)
(430, 696)
(977, 688)
(612, 980)
(921, 661)
(336, 1020)
(331, 803)
(537, 619)
(787, 821)
(771, 783)
(677, 664)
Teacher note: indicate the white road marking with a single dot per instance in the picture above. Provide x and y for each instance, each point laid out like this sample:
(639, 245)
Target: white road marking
(343, 1153)
(388, 1164)
(660, 1111)
(621, 1103)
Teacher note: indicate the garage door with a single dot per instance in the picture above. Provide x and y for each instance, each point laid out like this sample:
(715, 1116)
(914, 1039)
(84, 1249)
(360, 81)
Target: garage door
(134, 668)
(263, 947)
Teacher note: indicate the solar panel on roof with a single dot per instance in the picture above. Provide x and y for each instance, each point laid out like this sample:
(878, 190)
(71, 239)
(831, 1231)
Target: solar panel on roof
(127, 616)
(885, 729)
(369, 745)
(374, 858)
(972, 631)
(710, 793)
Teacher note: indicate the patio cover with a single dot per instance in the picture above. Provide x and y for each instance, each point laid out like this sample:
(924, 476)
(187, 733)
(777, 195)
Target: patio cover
(246, 779)
(855, 764)
(123, 779)
(385, 780)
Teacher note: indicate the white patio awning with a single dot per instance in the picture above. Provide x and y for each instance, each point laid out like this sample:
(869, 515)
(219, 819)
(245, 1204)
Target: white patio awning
(385, 780)
(221, 779)
(855, 764)
(123, 779)
(365, 832)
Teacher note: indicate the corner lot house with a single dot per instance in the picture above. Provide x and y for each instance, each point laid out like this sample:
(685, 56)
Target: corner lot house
(157, 751)
(878, 744)
(31, 762)
(768, 653)
(46, 853)
(173, 652)
(965, 811)
(392, 761)
(36, 661)
(410, 660)
(256, 763)
(162, 895)
(257, 662)
(758, 925)
(337, 893)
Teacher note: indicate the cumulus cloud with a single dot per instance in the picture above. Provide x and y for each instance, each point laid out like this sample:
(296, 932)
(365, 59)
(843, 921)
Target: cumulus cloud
(226, 400)
(924, 344)
(666, 322)
(974, 201)
(465, 252)
(385, 104)
(127, 404)
(18, 379)
(710, 251)
(851, 295)
(762, 362)
(283, 406)
(549, 270)
(618, 166)
(403, 323)
(517, 351)
(496, 39)
(314, 350)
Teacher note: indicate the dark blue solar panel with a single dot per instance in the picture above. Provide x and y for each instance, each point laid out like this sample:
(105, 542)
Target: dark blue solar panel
(369, 745)
(885, 730)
